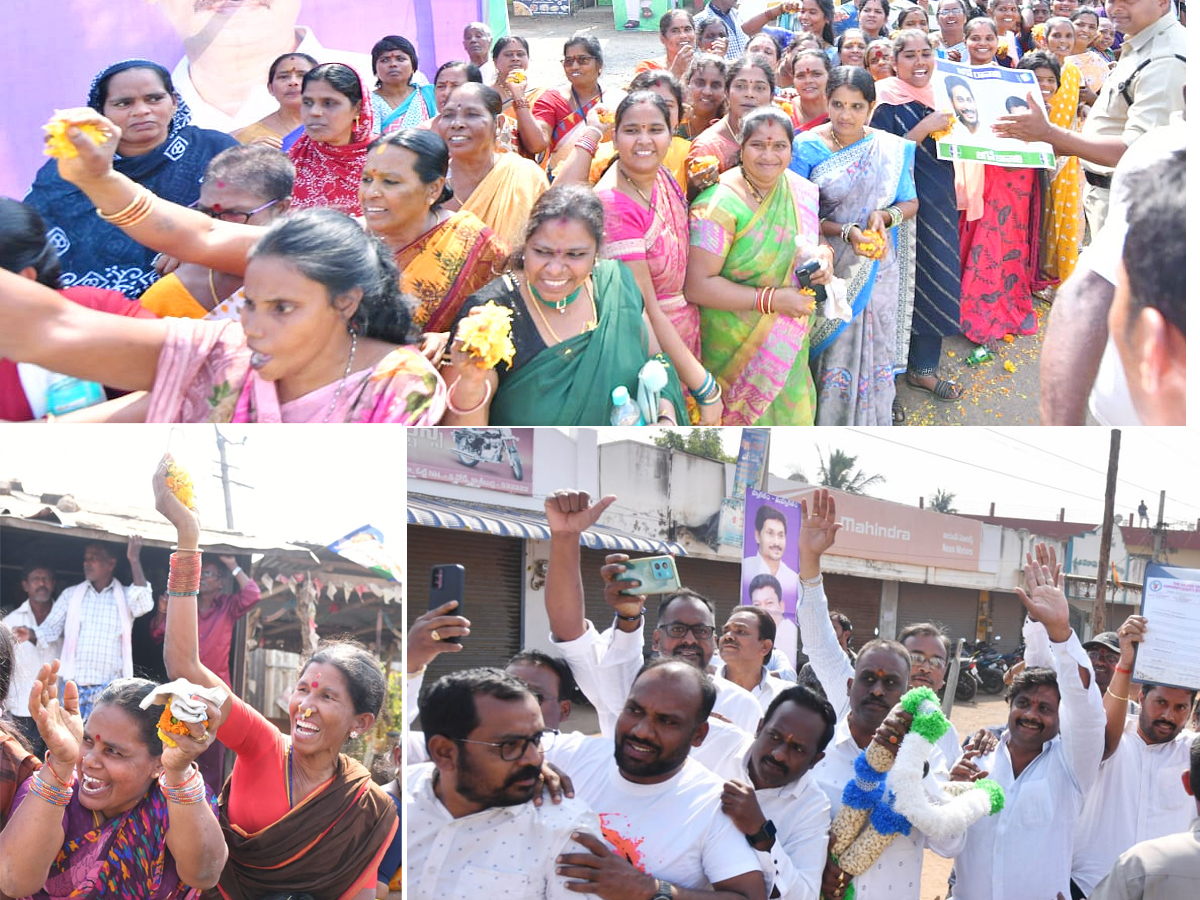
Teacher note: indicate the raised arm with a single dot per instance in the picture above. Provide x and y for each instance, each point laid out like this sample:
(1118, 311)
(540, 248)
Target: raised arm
(186, 234)
(569, 514)
(181, 649)
(1116, 699)
(34, 834)
(818, 640)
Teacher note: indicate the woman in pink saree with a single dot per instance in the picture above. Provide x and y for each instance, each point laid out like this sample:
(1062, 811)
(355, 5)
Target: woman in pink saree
(322, 336)
(646, 227)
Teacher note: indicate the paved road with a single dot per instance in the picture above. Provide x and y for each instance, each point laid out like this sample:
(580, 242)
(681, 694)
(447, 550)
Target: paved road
(992, 395)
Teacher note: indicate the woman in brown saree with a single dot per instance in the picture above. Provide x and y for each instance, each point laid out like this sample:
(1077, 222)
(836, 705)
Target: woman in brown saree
(297, 813)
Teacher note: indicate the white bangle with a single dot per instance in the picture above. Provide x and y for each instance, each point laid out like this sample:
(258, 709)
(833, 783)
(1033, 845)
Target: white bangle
(235, 571)
(814, 582)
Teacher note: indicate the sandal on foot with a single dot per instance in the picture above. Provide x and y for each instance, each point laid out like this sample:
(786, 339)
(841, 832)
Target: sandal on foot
(632, 25)
(897, 412)
(946, 391)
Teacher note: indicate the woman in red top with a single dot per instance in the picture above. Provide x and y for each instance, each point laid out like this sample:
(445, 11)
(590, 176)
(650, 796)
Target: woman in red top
(297, 813)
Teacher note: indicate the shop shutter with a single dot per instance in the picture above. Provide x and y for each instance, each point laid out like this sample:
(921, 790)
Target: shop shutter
(857, 598)
(953, 608)
(493, 595)
(1008, 616)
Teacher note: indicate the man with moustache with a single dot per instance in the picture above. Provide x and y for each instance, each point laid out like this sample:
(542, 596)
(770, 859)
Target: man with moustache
(746, 643)
(770, 534)
(774, 801)
(94, 619)
(766, 593)
(1138, 795)
(862, 695)
(605, 664)
(37, 580)
(665, 837)
(1045, 766)
(228, 50)
(471, 826)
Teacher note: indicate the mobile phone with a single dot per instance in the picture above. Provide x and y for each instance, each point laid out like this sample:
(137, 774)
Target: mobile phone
(805, 272)
(657, 574)
(447, 582)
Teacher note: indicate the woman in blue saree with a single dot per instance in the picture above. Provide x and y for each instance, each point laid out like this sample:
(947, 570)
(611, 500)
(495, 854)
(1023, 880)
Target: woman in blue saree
(865, 180)
(157, 148)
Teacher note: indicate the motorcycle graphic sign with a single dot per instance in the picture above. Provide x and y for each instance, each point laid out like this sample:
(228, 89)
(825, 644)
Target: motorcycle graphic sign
(497, 459)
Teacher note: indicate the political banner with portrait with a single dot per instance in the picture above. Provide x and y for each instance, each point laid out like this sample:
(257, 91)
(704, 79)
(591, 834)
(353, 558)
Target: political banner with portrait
(977, 96)
(218, 53)
(639, 15)
(771, 563)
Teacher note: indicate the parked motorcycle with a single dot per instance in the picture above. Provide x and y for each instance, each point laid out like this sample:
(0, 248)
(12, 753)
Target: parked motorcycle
(989, 665)
(490, 445)
(968, 680)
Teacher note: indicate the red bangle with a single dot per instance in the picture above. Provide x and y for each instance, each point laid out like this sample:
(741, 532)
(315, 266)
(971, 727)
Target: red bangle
(184, 576)
(1128, 671)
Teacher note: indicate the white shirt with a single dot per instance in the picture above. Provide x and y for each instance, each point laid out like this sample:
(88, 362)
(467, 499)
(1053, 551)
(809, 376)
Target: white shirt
(504, 852)
(99, 657)
(768, 688)
(605, 666)
(1137, 797)
(897, 872)
(789, 581)
(825, 654)
(29, 660)
(673, 830)
(1025, 850)
(259, 103)
(800, 813)
(787, 640)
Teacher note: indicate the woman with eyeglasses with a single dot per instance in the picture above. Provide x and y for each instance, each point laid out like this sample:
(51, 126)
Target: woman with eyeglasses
(250, 185)
(952, 24)
(138, 96)
(559, 115)
(323, 326)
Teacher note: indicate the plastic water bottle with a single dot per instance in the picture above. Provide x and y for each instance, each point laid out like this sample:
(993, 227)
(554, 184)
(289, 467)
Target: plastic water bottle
(625, 410)
(66, 394)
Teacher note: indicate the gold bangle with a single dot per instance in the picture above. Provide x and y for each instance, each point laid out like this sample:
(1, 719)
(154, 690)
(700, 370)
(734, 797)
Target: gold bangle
(135, 212)
(1124, 699)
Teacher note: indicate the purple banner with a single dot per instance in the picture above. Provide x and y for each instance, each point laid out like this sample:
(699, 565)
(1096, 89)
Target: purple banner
(771, 563)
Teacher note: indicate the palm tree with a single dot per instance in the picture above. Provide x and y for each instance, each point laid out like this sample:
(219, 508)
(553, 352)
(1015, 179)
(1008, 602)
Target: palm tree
(942, 501)
(838, 472)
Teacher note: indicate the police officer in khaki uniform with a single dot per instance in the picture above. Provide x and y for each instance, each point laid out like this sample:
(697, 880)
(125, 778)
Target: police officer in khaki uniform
(1140, 93)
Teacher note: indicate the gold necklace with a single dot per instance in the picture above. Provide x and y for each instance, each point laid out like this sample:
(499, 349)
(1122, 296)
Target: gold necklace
(212, 289)
(840, 146)
(750, 184)
(588, 326)
(625, 175)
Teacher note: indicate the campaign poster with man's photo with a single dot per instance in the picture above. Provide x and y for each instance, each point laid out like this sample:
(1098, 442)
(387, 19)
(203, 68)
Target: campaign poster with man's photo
(978, 96)
(771, 563)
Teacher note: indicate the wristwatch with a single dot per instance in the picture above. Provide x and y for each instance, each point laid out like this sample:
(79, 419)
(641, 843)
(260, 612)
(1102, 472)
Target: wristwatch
(766, 833)
(663, 891)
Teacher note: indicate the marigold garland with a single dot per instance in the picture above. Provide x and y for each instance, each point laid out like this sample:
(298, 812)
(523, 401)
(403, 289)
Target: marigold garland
(487, 335)
(58, 145)
(179, 483)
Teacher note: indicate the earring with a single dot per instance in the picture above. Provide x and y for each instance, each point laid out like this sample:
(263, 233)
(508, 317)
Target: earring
(353, 735)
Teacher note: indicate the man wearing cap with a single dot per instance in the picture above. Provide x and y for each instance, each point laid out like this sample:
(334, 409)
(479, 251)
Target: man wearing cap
(1138, 795)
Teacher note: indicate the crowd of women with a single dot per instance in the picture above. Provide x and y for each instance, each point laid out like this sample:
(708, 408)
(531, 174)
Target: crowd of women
(118, 807)
(775, 232)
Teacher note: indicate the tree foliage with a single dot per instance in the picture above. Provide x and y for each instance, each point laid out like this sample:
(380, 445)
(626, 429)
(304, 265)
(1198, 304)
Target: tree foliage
(704, 442)
(839, 472)
(943, 502)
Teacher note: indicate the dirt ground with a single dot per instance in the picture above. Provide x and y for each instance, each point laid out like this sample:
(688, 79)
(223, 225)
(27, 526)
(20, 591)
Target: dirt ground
(981, 712)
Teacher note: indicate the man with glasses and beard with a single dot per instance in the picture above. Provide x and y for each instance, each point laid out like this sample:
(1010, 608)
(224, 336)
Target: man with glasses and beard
(665, 837)
(472, 826)
(1045, 765)
(1138, 795)
(863, 695)
(605, 664)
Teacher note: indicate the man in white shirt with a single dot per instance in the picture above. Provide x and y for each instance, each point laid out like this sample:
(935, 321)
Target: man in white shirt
(770, 536)
(94, 620)
(1166, 868)
(862, 694)
(471, 826)
(745, 648)
(37, 580)
(1045, 766)
(228, 51)
(773, 799)
(660, 812)
(1138, 795)
(606, 664)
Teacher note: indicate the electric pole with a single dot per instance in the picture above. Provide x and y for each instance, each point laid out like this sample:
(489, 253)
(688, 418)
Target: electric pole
(226, 481)
(1106, 530)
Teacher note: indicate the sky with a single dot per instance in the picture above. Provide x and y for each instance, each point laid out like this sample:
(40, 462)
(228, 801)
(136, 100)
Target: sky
(1026, 472)
(311, 483)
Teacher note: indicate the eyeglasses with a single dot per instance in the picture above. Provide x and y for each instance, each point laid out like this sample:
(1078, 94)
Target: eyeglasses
(513, 749)
(230, 215)
(920, 659)
(678, 630)
(1106, 656)
(577, 60)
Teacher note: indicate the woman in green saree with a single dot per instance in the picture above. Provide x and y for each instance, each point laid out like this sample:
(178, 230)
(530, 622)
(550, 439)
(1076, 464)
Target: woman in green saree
(578, 328)
(749, 232)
